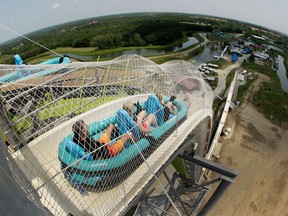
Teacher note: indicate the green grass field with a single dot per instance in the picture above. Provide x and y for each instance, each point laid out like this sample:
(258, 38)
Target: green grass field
(221, 63)
(95, 54)
(243, 89)
(274, 106)
(270, 99)
(62, 108)
(266, 69)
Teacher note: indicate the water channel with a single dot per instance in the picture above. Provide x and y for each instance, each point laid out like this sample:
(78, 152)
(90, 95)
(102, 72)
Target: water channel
(206, 56)
(281, 72)
(143, 51)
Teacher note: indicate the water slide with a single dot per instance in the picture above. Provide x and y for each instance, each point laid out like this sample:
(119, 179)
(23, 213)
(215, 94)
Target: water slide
(22, 70)
(65, 192)
(44, 159)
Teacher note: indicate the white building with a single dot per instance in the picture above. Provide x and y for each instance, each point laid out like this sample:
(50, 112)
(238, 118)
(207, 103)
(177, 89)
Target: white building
(262, 56)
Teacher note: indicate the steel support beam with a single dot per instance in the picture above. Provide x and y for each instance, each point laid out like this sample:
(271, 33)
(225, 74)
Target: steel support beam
(220, 190)
(142, 207)
(142, 195)
(227, 177)
(211, 165)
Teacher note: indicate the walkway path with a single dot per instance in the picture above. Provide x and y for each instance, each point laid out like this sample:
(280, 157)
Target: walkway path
(222, 75)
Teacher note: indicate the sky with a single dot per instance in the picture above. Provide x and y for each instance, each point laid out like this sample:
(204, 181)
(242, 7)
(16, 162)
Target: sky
(31, 15)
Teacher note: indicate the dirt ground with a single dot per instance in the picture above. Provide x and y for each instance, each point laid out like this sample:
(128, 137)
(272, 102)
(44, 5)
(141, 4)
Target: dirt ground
(258, 150)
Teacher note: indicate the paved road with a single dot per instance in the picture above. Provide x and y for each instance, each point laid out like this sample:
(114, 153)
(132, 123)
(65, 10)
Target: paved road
(222, 74)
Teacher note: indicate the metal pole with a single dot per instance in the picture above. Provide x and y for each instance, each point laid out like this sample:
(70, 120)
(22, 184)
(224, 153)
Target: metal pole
(211, 165)
(220, 190)
(172, 189)
(142, 207)
(198, 202)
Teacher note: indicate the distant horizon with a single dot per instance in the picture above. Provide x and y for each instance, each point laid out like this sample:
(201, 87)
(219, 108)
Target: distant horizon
(27, 18)
(103, 16)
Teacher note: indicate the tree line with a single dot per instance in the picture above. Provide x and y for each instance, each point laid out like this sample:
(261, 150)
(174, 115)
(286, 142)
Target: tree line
(119, 31)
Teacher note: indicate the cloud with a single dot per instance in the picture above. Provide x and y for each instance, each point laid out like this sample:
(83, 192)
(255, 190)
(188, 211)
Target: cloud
(56, 6)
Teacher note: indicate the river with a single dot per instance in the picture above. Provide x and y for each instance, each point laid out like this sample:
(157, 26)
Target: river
(143, 51)
(206, 56)
(281, 72)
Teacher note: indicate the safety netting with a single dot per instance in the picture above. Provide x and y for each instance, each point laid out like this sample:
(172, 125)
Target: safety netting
(88, 137)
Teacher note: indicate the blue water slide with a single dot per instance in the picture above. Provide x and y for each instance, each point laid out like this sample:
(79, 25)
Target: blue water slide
(9, 77)
(18, 60)
(24, 73)
(13, 75)
(16, 74)
(58, 60)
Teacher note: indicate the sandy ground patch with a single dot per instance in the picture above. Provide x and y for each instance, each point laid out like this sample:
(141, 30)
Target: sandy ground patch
(258, 150)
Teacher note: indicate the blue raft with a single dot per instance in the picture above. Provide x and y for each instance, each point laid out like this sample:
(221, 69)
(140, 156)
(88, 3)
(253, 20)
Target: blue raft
(79, 167)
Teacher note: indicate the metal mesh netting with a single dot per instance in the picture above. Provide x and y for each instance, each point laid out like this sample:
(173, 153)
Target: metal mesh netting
(88, 136)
